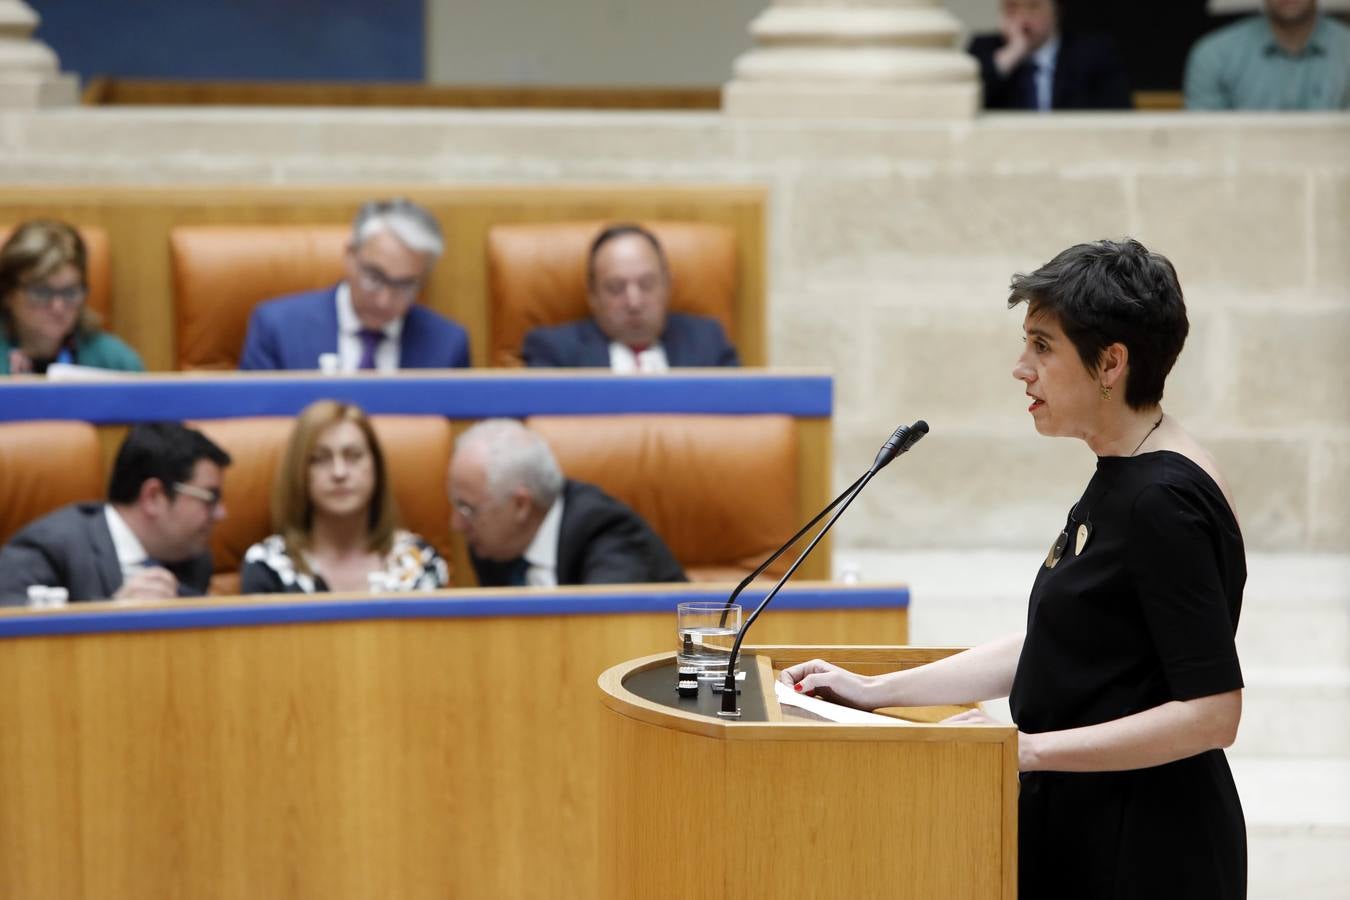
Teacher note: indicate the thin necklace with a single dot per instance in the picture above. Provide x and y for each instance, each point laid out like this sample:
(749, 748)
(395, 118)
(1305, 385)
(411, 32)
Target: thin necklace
(1150, 431)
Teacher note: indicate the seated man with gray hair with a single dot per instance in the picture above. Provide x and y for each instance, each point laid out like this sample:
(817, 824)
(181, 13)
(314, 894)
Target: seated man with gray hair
(370, 320)
(526, 524)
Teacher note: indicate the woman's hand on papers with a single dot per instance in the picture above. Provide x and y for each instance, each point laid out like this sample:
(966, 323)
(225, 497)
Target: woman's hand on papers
(818, 678)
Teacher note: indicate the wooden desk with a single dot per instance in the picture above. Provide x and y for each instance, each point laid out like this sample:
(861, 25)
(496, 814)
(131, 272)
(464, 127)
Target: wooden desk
(348, 747)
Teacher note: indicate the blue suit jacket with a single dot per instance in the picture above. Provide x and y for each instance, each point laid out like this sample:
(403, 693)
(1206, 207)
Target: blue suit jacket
(290, 333)
(687, 340)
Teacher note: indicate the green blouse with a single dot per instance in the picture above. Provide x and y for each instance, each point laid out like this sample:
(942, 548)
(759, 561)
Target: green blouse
(100, 350)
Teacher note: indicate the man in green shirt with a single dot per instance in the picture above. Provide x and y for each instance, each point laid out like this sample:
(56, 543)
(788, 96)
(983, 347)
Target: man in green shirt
(1290, 58)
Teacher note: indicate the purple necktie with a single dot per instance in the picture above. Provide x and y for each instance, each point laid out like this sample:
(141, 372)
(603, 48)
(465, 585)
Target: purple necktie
(370, 339)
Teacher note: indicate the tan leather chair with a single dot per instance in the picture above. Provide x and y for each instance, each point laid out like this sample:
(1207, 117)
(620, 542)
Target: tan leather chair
(721, 491)
(220, 272)
(44, 466)
(417, 454)
(98, 260)
(537, 276)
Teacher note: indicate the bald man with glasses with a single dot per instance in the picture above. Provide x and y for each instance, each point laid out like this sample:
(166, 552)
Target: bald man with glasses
(370, 320)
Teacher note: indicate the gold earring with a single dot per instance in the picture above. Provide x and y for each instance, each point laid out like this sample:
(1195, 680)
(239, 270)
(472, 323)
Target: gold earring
(1106, 392)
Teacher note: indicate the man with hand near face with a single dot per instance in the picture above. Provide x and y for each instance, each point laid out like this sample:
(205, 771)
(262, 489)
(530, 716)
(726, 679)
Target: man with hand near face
(371, 319)
(148, 542)
(1291, 58)
(1032, 65)
(631, 328)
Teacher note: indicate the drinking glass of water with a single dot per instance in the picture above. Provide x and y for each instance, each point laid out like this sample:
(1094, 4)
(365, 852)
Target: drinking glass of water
(705, 630)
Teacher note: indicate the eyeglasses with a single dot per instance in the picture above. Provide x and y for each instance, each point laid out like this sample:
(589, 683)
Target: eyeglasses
(465, 511)
(373, 280)
(41, 295)
(209, 496)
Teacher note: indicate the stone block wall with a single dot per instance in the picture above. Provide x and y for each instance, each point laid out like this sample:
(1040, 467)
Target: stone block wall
(891, 245)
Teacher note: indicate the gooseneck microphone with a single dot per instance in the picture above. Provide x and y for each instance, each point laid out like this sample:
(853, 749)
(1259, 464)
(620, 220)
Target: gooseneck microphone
(904, 437)
(897, 444)
(759, 570)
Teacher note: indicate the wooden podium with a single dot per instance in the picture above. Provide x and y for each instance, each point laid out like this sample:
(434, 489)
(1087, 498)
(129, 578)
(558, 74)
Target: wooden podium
(693, 806)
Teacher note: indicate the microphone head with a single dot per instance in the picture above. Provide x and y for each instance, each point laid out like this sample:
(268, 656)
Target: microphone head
(905, 436)
(891, 449)
(916, 431)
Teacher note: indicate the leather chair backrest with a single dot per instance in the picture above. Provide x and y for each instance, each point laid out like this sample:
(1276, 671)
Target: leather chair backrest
(98, 260)
(44, 466)
(417, 455)
(220, 272)
(537, 276)
(721, 491)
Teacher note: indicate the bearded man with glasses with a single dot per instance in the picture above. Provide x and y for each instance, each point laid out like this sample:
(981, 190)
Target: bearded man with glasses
(371, 319)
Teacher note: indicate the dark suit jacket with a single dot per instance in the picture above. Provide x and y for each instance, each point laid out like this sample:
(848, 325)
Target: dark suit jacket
(687, 340)
(72, 548)
(290, 333)
(1089, 74)
(600, 541)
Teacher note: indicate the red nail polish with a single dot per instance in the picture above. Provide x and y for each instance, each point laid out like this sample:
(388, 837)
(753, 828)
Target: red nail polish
(797, 687)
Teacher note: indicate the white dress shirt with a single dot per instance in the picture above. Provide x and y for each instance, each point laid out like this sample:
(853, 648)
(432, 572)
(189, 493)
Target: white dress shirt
(623, 361)
(542, 554)
(131, 555)
(349, 337)
(1045, 59)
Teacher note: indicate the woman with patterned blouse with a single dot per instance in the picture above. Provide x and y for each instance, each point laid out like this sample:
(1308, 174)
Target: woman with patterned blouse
(334, 513)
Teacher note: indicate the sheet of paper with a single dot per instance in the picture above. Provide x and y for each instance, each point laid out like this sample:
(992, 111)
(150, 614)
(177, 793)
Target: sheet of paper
(70, 372)
(833, 712)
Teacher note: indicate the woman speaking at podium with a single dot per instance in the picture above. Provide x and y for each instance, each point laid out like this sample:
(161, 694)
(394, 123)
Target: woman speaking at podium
(1125, 686)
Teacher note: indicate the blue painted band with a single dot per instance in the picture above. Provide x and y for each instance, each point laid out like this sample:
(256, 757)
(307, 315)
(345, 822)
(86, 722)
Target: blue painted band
(437, 606)
(453, 395)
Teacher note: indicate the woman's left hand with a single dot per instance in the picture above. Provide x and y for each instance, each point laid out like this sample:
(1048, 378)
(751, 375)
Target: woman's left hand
(1025, 751)
(975, 716)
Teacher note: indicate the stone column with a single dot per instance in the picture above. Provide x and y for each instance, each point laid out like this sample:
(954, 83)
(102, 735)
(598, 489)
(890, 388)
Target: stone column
(30, 75)
(835, 58)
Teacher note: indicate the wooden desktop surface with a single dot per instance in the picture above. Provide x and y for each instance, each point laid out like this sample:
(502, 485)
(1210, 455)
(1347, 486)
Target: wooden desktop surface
(340, 748)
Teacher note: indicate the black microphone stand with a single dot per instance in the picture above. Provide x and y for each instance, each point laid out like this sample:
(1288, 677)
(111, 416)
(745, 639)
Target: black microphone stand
(900, 442)
(759, 570)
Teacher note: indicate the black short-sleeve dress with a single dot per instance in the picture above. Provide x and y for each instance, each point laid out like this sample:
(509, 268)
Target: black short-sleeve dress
(1143, 614)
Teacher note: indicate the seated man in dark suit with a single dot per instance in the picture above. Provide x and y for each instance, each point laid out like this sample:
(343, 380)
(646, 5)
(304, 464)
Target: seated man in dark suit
(631, 328)
(371, 319)
(148, 542)
(1031, 65)
(527, 525)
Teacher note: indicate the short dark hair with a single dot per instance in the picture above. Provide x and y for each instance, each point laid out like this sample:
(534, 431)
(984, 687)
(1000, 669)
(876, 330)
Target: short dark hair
(164, 450)
(612, 232)
(1110, 291)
